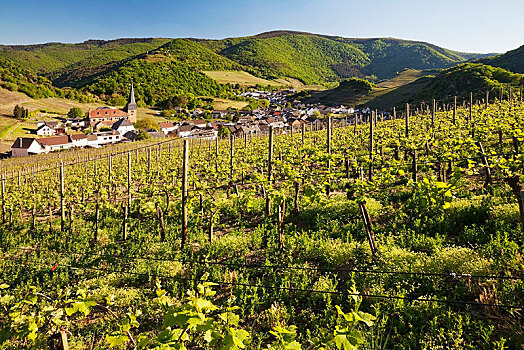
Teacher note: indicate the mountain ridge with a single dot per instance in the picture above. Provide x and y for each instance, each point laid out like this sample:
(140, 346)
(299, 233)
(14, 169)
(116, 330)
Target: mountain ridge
(166, 67)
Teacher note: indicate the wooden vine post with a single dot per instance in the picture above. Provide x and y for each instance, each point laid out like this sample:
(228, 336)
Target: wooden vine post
(269, 170)
(470, 107)
(185, 165)
(62, 198)
(232, 156)
(370, 174)
(328, 150)
(129, 178)
(97, 218)
(160, 217)
(486, 102)
(3, 197)
(454, 110)
(433, 113)
(414, 166)
(216, 154)
(407, 119)
(303, 133)
(485, 161)
(366, 218)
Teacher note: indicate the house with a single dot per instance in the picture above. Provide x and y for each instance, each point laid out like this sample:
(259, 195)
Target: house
(185, 130)
(75, 122)
(243, 130)
(206, 134)
(24, 146)
(295, 123)
(106, 137)
(166, 127)
(98, 125)
(45, 130)
(123, 126)
(79, 140)
(92, 141)
(155, 134)
(199, 123)
(106, 114)
(55, 143)
(198, 112)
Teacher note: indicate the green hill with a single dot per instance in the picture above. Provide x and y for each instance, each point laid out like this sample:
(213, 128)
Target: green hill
(13, 77)
(512, 60)
(311, 59)
(317, 58)
(466, 78)
(52, 58)
(173, 69)
(416, 86)
(164, 68)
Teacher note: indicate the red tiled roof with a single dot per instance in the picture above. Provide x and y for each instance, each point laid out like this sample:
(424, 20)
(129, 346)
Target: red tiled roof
(78, 137)
(53, 141)
(107, 113)
(165, 124)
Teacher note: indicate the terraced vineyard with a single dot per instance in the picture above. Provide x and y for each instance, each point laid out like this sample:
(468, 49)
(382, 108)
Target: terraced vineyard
(397, 234)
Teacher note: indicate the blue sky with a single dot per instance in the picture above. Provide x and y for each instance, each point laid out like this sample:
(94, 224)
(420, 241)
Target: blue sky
(464, 25)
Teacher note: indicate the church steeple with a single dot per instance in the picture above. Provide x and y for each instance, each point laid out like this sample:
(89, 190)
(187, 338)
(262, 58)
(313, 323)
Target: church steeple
(131, 99)
(131, 107)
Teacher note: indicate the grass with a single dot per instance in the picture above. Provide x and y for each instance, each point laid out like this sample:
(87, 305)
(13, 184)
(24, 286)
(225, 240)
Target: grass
(222, 104)
(386, 94)
(298, 85)
(239, 77)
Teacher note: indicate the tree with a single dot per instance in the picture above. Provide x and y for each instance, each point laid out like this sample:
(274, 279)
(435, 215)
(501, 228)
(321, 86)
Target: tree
(142, 135)
(75, 113)
(17, 112)
(223, 132)
(146, 123)
(180, 101)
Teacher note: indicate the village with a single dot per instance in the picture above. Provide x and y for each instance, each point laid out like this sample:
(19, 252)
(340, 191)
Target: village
(110, 125)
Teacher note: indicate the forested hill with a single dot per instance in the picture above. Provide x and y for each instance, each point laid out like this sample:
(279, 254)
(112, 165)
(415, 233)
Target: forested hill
(317, 58)
(512, 60)
(164, 68)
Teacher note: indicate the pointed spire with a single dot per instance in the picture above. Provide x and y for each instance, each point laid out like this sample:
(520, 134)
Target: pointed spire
(131, 99)
(131, 104)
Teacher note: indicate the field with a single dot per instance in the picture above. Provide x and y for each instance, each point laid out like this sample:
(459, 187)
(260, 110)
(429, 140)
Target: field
(222, 104)
(387, 93)
(239, 77)
(362, 236)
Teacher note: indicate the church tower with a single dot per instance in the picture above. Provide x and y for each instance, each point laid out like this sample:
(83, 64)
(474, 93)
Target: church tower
(131, 107)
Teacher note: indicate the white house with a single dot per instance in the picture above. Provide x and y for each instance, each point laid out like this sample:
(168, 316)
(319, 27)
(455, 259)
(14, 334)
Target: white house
(24, 146)
(79, 140)
(76, 122)
(206, 134)
(123, 126)
(45, 130)
(107, 137)
(56, 143)
(166, 127)
(185, 130)
(199, 123)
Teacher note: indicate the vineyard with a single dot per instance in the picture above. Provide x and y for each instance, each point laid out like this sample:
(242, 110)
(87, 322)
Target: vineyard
(378, 233)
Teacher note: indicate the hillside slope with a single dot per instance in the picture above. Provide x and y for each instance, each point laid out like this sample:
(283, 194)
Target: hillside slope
(163, 68)
(416, 86)
(173, 69)
(315, 58)
(512, 60)
(470, 77)
(48, 59)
